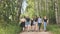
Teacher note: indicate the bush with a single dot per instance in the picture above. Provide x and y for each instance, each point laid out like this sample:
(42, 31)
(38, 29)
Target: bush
(54, 28)
(12, 28)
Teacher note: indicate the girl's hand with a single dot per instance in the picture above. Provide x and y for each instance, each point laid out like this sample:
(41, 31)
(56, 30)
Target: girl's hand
(47, 22)
(42, 22)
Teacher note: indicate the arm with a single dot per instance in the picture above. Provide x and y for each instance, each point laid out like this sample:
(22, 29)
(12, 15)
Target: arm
(48, 21)
(42, 21)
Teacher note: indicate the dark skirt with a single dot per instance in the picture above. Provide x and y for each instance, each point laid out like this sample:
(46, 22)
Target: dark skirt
(32, 24)
(22, 24)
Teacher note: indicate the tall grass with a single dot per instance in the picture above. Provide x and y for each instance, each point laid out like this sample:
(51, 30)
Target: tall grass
(12, 28)
(55, 29)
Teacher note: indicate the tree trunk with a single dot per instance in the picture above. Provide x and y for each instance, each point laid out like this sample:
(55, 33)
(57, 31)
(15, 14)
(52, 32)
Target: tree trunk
(56, 10)
(19, 12)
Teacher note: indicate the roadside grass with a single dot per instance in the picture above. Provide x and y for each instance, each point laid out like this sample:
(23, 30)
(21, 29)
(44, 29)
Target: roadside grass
(12, 28)
(55, 29)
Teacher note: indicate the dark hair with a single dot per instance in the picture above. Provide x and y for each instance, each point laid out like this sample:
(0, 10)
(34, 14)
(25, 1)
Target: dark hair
(40, 16)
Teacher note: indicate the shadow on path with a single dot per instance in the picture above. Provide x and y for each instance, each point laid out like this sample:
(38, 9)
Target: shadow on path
(35, 33)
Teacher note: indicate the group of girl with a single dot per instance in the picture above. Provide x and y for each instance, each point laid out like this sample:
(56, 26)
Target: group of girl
(33, 24)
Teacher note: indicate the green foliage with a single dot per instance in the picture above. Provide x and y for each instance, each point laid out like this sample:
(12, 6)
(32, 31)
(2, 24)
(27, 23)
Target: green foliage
(11, 28)
(8, 17)
(51, 14)
(55, 29)
(7, 8)
(41, 8)
(30, 8)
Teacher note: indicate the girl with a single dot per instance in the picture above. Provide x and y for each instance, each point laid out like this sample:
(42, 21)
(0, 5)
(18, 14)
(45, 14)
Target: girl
(45, 22)
(39, 22)
(27, 24)
(32, 25)
(35, 23)
(23, 23)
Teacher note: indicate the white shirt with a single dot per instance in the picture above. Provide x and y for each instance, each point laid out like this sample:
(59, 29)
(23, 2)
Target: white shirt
(39, 20)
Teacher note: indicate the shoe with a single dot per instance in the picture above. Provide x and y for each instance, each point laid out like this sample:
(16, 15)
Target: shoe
(28, 31)
(36, 31)
(44, 30)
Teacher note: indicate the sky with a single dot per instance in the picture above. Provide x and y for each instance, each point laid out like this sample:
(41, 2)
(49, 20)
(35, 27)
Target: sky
(24, 5)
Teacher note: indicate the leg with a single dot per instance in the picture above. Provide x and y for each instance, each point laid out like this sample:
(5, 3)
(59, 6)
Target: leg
(32, 28)
(28, 27)
(23, 28)
(39, 26)
(36, 27)
(44, 26)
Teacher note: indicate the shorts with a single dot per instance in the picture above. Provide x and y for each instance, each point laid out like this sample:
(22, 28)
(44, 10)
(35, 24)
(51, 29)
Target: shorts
(27, 24)
(35, 23)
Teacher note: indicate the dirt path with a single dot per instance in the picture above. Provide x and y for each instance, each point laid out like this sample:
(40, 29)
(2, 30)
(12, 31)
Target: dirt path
(35, 33)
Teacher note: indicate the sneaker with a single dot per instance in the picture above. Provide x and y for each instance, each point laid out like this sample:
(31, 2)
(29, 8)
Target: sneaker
(44, 30)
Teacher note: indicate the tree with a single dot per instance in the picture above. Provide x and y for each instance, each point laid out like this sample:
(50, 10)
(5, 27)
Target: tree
(19, 12)
(10, 10)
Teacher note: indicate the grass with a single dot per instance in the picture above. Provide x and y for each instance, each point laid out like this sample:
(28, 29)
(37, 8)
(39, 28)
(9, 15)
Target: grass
(54, 28)
(12, 28)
